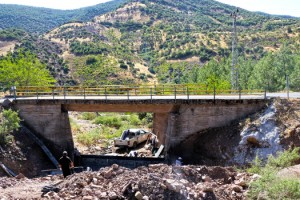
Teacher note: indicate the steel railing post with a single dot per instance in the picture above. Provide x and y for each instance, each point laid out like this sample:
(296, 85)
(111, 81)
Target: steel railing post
(188, 93)
(175, 93)
(265, 95)
(151, 93)
(214, 94)
(53, 93)
(15, 92)
(64, 92)
(127, 94)
(105, 93)
(83, 93)
(240, 93)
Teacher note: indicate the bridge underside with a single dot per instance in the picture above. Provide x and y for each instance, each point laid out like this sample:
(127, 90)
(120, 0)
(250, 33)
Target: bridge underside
(173, 120)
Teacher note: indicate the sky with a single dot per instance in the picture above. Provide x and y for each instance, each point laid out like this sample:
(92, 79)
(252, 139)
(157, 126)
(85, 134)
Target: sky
(281, 7)
(56, 4)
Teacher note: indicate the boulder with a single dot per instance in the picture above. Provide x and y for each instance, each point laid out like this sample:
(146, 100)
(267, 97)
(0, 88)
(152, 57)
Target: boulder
(290, 172)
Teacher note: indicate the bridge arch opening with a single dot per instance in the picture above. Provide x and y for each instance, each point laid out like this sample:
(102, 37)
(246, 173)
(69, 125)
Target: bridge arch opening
(94, 132)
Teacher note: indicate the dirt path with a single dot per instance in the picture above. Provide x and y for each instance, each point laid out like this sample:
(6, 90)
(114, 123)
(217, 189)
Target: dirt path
(23, 189)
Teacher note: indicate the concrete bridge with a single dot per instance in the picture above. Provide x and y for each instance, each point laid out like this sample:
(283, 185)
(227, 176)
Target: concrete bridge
(174, 118)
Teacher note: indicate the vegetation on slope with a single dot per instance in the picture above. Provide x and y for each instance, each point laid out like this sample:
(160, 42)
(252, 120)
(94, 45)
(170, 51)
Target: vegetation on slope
(178, 41)
(23, 69)
(35, 19)
(271, 72)
(270, 185)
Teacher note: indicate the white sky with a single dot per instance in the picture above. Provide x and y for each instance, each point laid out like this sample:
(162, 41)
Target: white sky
(56, 4)
(283, 7)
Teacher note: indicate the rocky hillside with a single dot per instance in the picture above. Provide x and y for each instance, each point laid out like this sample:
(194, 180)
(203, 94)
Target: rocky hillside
(129, 44)
(149, 33)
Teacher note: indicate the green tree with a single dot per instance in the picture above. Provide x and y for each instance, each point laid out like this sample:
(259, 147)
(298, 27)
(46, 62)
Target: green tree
(9, 122)
(285, 60)
(265, 74)
(295, 76)
(23, 69)
(245, 71)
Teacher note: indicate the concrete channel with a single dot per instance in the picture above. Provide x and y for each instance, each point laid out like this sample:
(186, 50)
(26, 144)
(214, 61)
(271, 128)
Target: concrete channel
(95, 162)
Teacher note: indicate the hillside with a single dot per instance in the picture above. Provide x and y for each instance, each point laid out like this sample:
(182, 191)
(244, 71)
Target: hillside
(152, 32)
(40, 20)
(169, 42)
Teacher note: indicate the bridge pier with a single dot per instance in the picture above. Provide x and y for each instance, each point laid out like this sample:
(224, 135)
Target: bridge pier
(188, 120)
(51, 124)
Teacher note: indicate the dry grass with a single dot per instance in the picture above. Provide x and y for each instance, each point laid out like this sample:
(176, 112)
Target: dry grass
(6, 47)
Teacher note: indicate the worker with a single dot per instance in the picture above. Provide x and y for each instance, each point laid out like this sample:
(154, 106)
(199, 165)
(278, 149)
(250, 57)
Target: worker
(153, 140)
(66, 164)
(178, 161)
(153, 143)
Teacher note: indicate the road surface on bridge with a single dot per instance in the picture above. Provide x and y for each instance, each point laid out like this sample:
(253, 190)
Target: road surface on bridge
(148, 97)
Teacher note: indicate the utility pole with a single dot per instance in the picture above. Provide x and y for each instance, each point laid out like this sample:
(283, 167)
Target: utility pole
(234, 70)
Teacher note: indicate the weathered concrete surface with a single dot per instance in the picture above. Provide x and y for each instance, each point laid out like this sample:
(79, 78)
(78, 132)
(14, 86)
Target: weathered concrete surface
(51, 124)
(173, 120)
(96, 162)
(191, 119)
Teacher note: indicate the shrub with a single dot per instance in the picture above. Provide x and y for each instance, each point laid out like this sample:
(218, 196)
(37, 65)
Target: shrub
(284, 159)
(88, 115)
(271, 186)
(111, 121)
(123, 66)
(74, 127)
(134, 120)
(9, 122)
(89, 138)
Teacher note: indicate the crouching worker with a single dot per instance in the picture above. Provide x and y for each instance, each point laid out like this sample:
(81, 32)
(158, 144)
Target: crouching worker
(66, 164)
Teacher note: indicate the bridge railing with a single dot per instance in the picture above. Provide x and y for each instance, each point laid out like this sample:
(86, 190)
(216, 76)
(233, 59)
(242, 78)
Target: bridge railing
(151, 91)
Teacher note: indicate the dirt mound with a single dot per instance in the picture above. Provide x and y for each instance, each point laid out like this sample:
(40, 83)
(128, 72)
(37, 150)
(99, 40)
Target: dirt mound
(289, 117)
(154, 182)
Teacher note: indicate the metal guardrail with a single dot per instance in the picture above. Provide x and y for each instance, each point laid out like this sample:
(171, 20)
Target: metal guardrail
(106, 91)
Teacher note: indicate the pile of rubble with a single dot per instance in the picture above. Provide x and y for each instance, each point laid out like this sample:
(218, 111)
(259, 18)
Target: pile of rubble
(155, 182)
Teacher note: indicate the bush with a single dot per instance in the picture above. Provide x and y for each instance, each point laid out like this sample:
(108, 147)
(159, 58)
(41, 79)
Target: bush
(134, 120)
(88, 116)
(110, 121)
(123, 66)
(89, 138)
(271, 186)
(9, 122)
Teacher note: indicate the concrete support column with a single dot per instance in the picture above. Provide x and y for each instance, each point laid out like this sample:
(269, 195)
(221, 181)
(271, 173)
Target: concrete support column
(51, 124)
